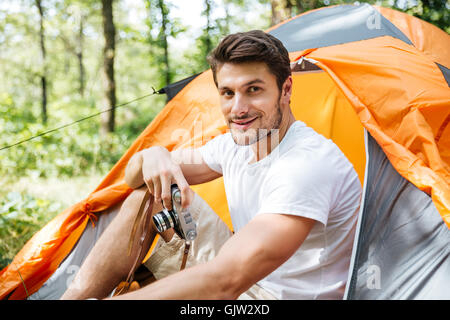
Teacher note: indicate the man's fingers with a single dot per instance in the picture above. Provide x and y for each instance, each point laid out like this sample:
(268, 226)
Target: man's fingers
(156, 189)
(149, 184)
(166, 194)
(160, 186)
(187, 194)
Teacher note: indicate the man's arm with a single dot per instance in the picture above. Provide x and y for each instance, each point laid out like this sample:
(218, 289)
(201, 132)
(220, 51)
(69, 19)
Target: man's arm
(265, 243)
(158, 169)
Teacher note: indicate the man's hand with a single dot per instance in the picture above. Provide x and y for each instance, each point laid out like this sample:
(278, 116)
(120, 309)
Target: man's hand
(159, 169)
(159, 172)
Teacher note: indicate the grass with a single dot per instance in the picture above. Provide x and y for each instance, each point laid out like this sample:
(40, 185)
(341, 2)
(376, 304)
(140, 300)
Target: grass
(65, 191)
(27, 204)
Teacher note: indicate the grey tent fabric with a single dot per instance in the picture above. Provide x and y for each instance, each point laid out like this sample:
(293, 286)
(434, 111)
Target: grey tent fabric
(445, 72)
(402, 244)
(336, 25)
(58, 283)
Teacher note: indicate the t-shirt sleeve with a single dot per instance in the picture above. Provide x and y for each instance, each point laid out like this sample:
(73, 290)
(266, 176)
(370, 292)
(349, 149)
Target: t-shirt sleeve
(301, 187)
(212, 153)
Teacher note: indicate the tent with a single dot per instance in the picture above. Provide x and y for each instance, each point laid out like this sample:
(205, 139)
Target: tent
(376, 82)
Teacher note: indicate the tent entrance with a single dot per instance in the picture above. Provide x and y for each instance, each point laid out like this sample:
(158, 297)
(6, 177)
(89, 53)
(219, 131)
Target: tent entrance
(317, 101)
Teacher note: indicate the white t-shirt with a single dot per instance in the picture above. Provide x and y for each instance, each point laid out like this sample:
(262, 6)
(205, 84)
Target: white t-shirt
(305, 175)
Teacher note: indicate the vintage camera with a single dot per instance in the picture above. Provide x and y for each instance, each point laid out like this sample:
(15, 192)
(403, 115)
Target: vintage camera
(178, 218)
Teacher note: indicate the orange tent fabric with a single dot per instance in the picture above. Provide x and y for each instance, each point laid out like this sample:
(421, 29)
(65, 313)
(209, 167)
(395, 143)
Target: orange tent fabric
(411, 121)
(426, 37)
(398, 94)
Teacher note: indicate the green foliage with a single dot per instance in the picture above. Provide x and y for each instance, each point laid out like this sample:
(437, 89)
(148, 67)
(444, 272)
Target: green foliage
(21, 216)
(436, 12)
(73, 151)
(160, 28)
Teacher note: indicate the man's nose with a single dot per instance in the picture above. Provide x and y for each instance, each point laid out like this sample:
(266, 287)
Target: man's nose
(240, 105)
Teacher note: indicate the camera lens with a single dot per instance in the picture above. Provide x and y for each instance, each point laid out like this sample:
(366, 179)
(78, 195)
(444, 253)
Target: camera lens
(165, 220)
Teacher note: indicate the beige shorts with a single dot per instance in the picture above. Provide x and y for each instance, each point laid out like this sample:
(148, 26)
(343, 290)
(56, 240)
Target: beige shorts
(212, 233)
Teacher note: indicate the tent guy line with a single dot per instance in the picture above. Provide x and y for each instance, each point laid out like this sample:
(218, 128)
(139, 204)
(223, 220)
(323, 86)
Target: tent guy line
(80, 120)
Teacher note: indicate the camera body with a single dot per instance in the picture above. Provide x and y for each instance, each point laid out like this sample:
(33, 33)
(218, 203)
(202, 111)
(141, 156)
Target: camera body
(178, 218)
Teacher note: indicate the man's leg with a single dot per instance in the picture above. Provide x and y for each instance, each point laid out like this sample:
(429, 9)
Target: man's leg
(108, 263)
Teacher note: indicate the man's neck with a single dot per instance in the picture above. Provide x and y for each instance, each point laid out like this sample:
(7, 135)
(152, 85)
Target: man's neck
(264, 147)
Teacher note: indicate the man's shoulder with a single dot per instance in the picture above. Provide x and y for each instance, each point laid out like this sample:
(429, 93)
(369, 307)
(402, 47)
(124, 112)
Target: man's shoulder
(308, 151)
(304, 143)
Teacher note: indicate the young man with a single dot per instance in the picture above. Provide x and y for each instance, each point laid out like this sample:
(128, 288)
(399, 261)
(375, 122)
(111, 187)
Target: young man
(292, 194)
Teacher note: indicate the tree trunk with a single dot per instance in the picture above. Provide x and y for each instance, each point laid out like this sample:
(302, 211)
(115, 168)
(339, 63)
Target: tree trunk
(43, 61)
(208, 44)
(109, 33)
(163, 39)
(281, 10)
(300, 6)
(226, 29)
(303, 6)
(82, 73)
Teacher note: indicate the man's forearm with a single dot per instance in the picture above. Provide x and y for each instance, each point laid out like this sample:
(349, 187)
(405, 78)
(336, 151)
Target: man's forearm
(200, 282)
(194, 170)
(243, 260)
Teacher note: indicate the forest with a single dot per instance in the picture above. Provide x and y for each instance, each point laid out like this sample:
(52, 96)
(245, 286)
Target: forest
(76, 84)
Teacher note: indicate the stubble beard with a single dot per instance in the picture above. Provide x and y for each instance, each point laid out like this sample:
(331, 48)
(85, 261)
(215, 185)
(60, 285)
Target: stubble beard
(251, 136)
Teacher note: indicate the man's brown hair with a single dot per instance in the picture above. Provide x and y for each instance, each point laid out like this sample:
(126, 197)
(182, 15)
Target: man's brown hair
(252, 46)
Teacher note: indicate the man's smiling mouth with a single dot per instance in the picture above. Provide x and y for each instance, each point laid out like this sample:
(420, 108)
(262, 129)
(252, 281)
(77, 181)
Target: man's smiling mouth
(242, 123)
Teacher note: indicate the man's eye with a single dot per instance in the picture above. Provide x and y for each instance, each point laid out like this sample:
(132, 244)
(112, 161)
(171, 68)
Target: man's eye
(228, 93)
(253, 89)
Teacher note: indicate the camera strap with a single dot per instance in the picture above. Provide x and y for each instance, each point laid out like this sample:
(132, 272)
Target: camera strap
(142, 220)
(187, 245)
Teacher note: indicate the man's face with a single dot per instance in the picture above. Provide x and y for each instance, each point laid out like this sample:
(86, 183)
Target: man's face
(251, 101)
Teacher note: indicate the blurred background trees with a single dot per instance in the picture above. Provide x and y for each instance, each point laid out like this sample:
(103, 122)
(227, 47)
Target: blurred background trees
(62, 60)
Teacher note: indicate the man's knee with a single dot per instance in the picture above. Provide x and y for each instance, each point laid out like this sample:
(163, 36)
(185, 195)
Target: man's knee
(132, 204)
(136, 196)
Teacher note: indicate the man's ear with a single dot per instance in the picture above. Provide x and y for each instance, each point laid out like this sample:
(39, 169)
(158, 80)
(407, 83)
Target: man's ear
(287, 88)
